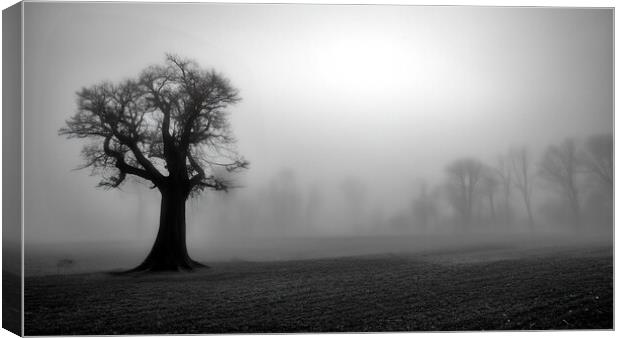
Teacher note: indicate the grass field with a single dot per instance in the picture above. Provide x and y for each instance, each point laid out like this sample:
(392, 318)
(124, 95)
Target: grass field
(481, 288)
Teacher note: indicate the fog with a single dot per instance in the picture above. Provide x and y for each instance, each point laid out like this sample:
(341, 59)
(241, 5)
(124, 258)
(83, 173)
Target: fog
(351, 117)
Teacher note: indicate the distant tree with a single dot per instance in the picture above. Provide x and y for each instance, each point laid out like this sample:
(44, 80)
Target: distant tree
(504, 174)
(598, 164)
(523, 176)
(599, 158)
(168, 127)
(560, 166)
(489, 184)
(424, 208)
(463, 178)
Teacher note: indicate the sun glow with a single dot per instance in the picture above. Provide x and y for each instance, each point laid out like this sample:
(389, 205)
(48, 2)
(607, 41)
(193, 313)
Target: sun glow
(367, 62)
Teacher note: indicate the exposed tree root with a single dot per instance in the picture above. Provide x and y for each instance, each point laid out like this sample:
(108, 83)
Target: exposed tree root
(149, 265)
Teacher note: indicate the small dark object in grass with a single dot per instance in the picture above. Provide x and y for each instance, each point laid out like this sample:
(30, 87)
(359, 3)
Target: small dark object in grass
(64, 264)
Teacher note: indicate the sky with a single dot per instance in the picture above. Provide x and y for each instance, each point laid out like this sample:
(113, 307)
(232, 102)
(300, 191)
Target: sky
(387, 95)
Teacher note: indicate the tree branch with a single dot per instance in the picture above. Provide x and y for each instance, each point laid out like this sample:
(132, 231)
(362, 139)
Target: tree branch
(124, 167)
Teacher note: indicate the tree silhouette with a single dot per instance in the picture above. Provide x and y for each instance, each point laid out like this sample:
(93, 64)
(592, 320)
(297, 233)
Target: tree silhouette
(168, 128)
(598, 163)
(489, 183)
(523, 177)
(504, 173)
(560, 166)
(599, 158)
(464, 176)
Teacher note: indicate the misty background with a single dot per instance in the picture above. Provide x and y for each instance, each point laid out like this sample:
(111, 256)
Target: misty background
(350, 118)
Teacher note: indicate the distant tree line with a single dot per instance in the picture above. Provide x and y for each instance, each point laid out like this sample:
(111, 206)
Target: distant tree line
(567, 186)
(573, 181)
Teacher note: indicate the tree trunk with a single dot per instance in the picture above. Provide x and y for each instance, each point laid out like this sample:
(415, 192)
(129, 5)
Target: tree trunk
(492, 206)
(530, 217)
(169, 253)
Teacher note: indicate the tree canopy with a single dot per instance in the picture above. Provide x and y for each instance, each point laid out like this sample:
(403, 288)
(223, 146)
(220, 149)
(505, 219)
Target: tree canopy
(168, 126)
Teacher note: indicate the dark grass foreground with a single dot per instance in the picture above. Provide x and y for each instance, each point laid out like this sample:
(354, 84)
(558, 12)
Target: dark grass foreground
(551, 290)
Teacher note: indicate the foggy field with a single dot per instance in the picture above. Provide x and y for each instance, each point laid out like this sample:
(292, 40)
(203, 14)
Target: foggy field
(479, 287)
(122, 255)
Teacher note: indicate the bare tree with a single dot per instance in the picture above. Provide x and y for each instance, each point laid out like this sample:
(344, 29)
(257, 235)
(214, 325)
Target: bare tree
(599, 158)
(560, 167)
(488, 187)
(504, 174)
(464, 176)
(598, 163)
(522, 179)
(168, 128)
